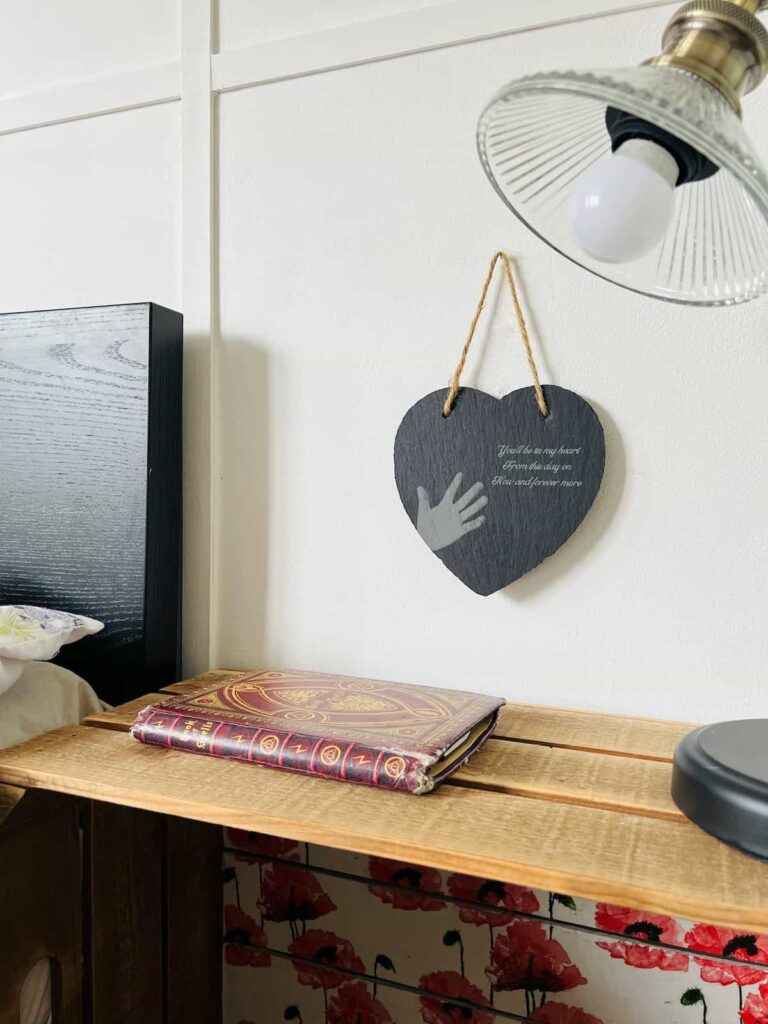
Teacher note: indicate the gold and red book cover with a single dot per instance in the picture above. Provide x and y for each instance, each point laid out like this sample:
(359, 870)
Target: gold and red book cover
(394, 735)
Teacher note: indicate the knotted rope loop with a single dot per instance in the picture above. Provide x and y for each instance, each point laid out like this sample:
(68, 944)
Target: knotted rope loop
(453, 390)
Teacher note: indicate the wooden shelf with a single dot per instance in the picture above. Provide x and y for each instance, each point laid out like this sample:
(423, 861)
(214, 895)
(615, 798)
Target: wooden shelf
(561, 800)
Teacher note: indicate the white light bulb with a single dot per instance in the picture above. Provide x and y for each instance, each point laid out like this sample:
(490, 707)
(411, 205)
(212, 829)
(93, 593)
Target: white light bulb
(621, 207)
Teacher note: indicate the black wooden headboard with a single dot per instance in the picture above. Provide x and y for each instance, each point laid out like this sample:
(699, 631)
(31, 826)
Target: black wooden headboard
(90, 483)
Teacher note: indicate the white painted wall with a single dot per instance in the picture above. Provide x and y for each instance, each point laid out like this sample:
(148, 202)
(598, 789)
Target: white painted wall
(56, 42)
(354, 226)
(243, 23)
(89, 212)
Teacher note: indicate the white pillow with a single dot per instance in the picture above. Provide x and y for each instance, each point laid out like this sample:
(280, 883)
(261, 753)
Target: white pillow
(36, 634)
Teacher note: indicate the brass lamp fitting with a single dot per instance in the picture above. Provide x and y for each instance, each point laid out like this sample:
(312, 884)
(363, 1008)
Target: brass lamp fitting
(721, 41)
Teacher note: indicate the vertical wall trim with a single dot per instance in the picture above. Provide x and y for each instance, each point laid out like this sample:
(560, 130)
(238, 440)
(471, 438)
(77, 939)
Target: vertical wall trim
(198, 254)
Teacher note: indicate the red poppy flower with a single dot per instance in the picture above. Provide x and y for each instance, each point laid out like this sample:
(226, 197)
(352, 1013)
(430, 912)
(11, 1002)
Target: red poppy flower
(414, 881)
(324, 950)
(353, 1002)
(291, 893)
(643, 926)
(496, 894)
(241, 933)
(451, 985)
(556, 1013)
(756, 1007)
(524, 958)
(261, 845)
(706, 938)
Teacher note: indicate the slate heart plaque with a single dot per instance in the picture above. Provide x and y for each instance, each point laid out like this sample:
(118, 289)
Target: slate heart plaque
(495, 487)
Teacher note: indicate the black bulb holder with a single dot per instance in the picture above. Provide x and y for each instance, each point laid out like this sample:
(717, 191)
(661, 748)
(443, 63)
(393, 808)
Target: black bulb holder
(691, 164)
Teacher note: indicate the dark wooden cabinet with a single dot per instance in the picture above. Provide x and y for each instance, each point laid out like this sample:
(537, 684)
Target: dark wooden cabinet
(124, 903)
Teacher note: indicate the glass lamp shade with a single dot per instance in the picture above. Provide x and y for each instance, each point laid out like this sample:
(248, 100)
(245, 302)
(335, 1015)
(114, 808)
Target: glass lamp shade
(539, 135)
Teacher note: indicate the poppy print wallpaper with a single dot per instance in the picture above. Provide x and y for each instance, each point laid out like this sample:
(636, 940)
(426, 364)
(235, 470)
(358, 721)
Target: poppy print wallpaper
(321, 936)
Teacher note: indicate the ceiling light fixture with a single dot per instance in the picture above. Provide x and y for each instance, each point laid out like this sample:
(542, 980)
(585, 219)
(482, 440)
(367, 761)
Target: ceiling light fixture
(645, 176)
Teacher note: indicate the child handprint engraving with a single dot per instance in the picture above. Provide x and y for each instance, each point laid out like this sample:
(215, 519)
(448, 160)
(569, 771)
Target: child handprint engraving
(443, 524)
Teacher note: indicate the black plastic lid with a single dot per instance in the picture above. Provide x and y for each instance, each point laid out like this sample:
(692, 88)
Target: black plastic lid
(720, 781)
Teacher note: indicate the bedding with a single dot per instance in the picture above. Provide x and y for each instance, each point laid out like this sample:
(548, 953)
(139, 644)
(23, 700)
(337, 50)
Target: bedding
(28, 633)
(45, 697)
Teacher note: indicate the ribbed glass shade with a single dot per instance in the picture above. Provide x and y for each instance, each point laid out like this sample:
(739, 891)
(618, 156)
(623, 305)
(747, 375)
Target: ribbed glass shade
(539, 134)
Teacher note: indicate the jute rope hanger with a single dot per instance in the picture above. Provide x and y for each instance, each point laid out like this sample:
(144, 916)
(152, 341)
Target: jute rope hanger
(453, 390)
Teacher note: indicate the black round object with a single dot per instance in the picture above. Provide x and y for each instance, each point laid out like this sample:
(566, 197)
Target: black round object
(720, 781)
(691, 164)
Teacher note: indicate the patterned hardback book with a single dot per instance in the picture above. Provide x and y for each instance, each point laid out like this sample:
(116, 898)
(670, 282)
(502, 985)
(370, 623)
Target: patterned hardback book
(393, 735)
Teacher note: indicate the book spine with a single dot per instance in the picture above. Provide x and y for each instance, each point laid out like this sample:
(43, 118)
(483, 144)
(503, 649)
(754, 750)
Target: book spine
(276, 748)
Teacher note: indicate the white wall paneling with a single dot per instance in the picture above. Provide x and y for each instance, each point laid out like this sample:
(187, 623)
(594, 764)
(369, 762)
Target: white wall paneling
(356, 226)
(89, 212)
(67, 86)
(325, 236)
(52, 43)
(328, 43)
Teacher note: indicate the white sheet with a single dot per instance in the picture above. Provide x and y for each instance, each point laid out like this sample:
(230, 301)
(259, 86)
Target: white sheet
(44, 697)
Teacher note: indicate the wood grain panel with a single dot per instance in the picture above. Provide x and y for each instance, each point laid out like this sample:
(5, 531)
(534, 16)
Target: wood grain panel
(121, 717)
(123, 850)
(648, 738)
(10, 797)
(193, 908)
(41, 908)
(219, 675)
(627, 784)
(650, 863)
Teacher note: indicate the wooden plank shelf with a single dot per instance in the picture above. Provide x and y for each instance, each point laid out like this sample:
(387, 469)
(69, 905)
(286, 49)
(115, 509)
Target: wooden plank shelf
(644, 738)
(560, 800)
(573, 777)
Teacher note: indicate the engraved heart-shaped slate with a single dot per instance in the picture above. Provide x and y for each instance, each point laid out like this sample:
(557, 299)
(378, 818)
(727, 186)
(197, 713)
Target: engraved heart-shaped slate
(496, 487)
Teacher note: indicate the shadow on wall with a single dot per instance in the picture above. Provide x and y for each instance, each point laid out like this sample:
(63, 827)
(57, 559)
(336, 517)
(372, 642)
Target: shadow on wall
(243, 501)
(595, 524)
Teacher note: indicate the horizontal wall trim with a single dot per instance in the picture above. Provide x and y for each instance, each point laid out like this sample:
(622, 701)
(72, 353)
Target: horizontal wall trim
(91, 98)
(449, 24)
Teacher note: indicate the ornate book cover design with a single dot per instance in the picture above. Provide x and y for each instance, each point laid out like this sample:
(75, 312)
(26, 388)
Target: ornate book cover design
(394, 735)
